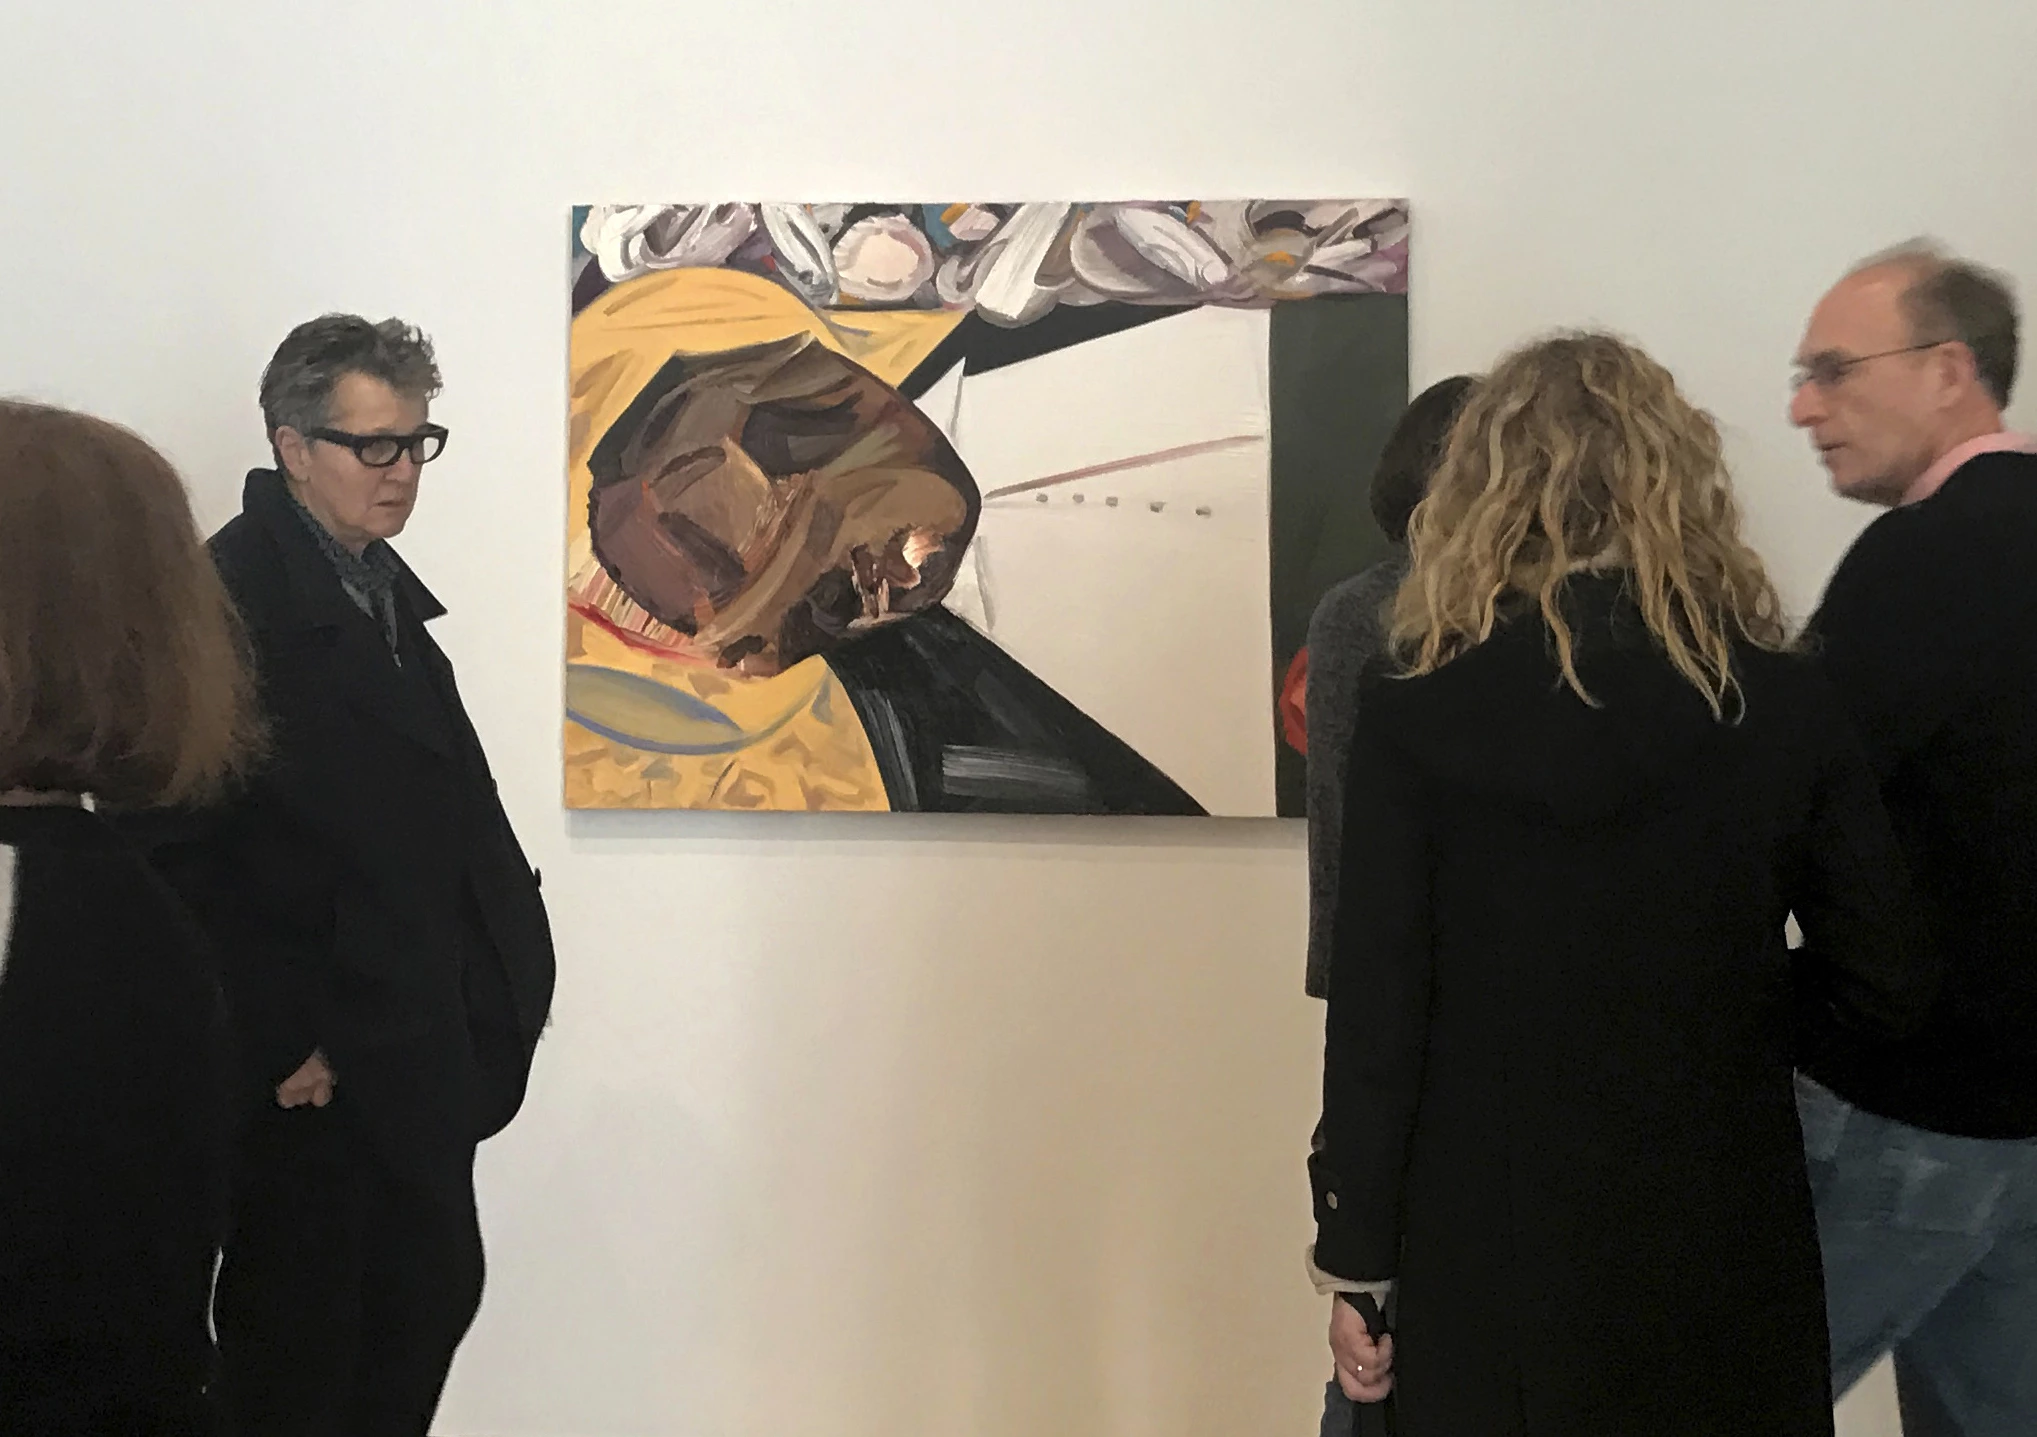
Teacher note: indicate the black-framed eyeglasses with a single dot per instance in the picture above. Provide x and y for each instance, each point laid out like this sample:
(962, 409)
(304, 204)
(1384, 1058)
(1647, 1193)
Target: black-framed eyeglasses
(379, 451)
(1828, 371)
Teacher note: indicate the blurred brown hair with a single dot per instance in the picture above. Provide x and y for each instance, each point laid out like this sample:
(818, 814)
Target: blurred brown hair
(123, 670)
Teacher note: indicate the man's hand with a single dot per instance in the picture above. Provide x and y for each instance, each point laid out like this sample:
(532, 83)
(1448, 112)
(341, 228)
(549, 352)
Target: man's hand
(1364, 1367)
(313, 1083)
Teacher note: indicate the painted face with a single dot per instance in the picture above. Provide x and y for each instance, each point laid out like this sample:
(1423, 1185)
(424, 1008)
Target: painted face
(357, 501)
(773, 500)
(1868, 395)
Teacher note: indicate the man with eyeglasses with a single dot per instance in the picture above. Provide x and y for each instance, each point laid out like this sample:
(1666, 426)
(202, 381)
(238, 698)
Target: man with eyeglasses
(1923, 1155)
(385, 951)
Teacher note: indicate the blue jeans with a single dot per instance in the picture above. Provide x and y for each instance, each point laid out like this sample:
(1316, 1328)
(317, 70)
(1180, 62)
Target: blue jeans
(1340, 1413)
(1930, 1251)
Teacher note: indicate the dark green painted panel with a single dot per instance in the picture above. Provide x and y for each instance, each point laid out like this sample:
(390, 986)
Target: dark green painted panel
(1339, 370)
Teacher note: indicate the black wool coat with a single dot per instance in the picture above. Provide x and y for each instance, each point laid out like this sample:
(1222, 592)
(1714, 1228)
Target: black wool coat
(1558, 1102)
(114, 1123)
(365, 891)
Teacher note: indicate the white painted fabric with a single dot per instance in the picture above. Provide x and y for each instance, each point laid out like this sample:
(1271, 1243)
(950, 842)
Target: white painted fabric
(1122, 552)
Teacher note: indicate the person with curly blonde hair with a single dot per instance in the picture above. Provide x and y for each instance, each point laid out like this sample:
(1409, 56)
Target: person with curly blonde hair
(1584, 794)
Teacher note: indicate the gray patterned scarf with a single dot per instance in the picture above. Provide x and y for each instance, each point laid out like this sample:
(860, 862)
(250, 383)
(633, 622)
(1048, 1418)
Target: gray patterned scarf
(369, 577)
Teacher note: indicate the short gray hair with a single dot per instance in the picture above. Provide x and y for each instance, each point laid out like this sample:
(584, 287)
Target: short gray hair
(1955, 300)
(314, 357)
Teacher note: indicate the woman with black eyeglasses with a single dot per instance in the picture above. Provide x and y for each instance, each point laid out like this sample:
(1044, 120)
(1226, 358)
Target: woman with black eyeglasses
(388, 961)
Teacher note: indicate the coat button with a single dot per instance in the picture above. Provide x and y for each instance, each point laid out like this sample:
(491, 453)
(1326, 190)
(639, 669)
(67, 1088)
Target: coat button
(1331, 1199)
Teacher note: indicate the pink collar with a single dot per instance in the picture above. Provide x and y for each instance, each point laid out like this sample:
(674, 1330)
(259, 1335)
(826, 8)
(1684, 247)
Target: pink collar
(1933, 479)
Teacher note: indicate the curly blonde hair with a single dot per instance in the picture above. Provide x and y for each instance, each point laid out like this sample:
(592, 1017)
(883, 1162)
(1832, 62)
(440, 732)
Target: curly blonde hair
(1579, 453)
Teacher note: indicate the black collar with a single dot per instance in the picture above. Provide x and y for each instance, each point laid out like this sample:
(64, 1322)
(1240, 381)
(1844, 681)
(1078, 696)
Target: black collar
(316, 596)
(308, 603)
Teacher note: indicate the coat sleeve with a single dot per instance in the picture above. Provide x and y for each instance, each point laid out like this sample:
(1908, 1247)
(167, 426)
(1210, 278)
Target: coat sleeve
(1323, 797)
(1867, 968)
(1376, 1032)
(1344, 634)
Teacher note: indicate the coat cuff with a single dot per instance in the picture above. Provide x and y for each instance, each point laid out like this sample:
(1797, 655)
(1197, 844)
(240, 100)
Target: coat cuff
(1346, 1241)
(1327, 1283)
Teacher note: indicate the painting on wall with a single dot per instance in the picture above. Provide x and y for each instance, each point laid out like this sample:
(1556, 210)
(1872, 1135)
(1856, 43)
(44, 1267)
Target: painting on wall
(966, 507)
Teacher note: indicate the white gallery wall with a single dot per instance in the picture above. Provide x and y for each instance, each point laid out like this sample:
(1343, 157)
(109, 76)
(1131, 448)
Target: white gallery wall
(891, 1126)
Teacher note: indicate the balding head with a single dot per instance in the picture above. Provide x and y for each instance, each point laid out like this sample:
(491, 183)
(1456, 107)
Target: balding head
(1910, 355)
(1944, 297)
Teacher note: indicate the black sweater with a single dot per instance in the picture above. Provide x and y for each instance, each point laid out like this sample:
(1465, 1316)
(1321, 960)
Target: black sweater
(1929, 631)
(111, 1138)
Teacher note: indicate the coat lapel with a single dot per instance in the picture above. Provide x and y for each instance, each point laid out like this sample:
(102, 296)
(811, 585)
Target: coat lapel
(376, 688)
(330, 623)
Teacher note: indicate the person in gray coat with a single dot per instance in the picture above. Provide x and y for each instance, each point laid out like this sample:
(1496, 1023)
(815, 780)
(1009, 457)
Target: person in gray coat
(1347, 629)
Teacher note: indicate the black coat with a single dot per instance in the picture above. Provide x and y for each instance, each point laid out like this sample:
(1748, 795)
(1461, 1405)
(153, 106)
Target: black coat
(1558, 1100)
(113, 1123)
(367, 893)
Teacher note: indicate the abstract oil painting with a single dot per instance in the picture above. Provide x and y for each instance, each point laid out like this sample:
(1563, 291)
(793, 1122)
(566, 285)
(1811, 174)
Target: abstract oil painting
(966, 506)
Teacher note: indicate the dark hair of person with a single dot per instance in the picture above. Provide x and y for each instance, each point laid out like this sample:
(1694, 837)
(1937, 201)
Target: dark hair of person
(1412, 452)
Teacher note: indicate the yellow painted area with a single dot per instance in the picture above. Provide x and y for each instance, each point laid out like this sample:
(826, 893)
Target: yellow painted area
(810, 751)
(806, 750)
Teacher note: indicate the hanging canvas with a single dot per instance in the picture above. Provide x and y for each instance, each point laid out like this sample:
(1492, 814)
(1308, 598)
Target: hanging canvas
(966, 507)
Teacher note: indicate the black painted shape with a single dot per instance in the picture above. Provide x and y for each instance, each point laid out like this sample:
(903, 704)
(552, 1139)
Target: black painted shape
(959, 726)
